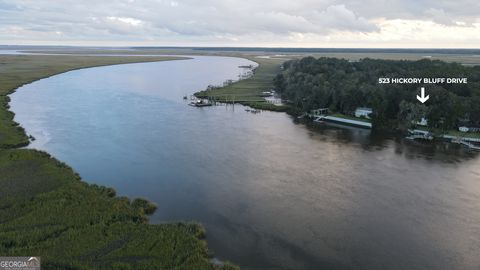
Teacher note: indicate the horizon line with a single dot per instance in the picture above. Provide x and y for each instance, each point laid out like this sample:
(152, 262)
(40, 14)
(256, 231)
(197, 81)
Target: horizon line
(239, 47)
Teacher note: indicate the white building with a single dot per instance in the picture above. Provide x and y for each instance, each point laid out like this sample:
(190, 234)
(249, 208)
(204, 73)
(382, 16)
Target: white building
(319, 112)
(423, 122)
(363, 112)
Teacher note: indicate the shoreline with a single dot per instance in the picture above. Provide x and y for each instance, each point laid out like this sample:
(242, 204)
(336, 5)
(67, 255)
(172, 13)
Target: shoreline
(249, 89)
(5, 94)
(7, 98)
(12, 154)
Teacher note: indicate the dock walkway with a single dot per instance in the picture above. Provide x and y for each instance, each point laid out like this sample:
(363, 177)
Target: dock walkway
(343, 121)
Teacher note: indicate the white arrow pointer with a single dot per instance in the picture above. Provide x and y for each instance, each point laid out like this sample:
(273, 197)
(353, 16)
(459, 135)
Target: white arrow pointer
(423, 98)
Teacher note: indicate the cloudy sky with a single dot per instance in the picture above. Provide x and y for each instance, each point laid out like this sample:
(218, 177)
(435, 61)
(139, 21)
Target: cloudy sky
(273, 23)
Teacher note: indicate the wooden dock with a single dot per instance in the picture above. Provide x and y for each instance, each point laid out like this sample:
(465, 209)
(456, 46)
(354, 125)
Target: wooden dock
(466, 143)
(340, 120)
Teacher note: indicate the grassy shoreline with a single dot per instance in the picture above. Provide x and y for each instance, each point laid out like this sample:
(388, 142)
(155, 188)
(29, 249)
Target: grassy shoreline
(249, 91)
(46, 210)
(19, 70)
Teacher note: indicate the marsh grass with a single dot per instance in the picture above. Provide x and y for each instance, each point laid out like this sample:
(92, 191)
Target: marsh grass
(249, 91)
(46, 210)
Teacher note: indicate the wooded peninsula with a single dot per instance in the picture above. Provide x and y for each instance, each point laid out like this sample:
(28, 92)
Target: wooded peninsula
(342, 86)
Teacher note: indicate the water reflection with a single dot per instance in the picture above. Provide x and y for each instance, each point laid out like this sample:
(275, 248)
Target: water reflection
(272, 193)
(376, 141)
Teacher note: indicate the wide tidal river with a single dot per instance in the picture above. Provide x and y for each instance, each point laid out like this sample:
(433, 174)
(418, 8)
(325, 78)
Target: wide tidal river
(271, 193)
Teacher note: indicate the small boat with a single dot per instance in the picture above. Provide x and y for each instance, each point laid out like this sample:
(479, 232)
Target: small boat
(200, 103)
(267, 94)
(419, 134)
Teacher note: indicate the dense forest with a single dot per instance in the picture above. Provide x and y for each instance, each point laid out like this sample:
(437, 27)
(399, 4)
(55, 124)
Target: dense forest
(342, 86)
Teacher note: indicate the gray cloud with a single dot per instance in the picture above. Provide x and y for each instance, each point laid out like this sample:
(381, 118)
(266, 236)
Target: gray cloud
(439, 16)
(189, 21)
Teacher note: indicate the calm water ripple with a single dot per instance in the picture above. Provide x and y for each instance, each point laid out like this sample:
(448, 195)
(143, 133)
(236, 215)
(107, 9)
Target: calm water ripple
(272, 193)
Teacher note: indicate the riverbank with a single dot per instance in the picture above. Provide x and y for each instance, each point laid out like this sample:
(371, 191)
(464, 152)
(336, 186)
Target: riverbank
(275, 173)
(18, 70)
(468, 139)
(46, 210)
(250, 91)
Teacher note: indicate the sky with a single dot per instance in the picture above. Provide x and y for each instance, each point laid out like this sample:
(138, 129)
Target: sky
(243, 23)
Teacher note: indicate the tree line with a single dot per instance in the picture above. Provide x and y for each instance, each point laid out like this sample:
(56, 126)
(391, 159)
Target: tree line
(343, 85)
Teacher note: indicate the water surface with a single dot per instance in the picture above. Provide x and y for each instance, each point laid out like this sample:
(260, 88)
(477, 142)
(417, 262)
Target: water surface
(272, 193)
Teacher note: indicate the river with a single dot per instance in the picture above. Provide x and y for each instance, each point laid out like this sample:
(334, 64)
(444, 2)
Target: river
(271, 193)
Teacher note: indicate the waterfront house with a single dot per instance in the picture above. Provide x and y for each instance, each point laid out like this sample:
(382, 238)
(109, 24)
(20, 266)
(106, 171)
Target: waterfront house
(423, 122)
(463, 129)
(363, 112)
(319, 112)
(465, 125)
(474, 128)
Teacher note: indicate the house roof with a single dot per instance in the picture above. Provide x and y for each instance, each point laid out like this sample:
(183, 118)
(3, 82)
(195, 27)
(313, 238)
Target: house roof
(364, 109)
